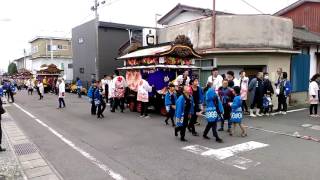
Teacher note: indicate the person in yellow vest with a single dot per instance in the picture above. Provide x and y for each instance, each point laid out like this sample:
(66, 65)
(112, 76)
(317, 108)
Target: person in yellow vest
(45, 84)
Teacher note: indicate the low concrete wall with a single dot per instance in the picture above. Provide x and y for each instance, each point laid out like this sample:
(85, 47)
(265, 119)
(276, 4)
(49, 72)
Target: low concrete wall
(299, 98)
(238, 31)
(234, 31)
(199, 32)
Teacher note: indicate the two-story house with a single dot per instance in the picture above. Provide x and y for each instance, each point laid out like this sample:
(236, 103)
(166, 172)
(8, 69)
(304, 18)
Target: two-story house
(23, 63)
(305, 15)
(52, 50)
(92, 59)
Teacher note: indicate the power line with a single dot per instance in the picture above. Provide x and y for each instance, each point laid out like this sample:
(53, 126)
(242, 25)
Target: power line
(252, 6)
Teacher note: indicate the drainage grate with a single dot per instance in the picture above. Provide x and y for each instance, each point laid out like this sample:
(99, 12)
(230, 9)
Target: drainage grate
(6, 120)
(24, 149)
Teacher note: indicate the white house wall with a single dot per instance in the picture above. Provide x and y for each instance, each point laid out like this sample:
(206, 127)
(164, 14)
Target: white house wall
(29, 64)
(68, 73)
(243, 31)
(313, 60)
(184, 17)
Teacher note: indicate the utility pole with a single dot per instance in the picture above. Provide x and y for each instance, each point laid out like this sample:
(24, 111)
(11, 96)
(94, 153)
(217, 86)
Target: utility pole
(51, 49)
(214, 24)
(156, 19)
(95, 9)
(24, 59)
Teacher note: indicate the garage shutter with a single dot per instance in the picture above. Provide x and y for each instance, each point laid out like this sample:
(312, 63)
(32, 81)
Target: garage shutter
(300, 71)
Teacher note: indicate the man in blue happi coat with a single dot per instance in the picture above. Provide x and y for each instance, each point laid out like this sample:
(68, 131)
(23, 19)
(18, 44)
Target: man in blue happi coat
(184, 111)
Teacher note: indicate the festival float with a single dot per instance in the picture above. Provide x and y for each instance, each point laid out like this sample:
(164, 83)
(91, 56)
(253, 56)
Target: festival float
(161, 64)
(49, 71)
(22, 74)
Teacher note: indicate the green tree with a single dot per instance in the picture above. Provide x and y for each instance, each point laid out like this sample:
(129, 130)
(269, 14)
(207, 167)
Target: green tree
(12, 69)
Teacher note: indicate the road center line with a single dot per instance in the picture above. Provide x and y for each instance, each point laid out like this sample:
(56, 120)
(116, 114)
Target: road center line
(91, 158)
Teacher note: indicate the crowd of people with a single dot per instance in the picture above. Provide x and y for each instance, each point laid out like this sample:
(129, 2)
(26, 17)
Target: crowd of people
(223, 99)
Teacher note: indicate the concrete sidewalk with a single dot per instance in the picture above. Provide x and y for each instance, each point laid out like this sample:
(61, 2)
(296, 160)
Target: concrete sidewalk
(22, 160)
(9, 165)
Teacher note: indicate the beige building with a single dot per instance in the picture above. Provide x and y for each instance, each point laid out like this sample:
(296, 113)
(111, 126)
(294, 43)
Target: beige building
(52, 50)
(242, 42)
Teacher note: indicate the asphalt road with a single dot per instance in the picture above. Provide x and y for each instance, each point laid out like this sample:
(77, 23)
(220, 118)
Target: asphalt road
(138, 148)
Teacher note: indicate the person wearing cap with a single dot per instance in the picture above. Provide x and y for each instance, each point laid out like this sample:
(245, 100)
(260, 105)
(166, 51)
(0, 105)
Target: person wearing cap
(215, 79)
(197, 94)
(170, 103)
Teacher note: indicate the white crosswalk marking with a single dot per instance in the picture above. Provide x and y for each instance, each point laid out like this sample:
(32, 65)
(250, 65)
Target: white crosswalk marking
(228, 155)
(311, 126)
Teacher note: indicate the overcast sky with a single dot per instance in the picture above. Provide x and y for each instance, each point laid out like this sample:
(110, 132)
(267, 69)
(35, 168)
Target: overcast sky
(21, 20)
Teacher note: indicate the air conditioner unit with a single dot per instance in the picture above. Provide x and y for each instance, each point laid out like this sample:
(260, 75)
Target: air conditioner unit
(149, 37)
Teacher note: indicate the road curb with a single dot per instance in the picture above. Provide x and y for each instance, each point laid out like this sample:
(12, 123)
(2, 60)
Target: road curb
(33, 164)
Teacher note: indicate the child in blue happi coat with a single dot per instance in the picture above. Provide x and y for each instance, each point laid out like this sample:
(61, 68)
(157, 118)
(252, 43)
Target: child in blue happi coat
(170, 103)
(267, 105)
(236, 113)
(99, 101)
(214, 110)
(184, 110)
(93, 94)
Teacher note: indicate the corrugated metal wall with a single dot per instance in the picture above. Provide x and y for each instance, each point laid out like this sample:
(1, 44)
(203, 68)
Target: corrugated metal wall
(300, 70)
(307, 15)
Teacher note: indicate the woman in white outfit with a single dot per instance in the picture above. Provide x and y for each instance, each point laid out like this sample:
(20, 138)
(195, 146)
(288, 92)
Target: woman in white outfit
(143, 96)
(313, 95)
(62, 92)
(244, 83)
(41, 89)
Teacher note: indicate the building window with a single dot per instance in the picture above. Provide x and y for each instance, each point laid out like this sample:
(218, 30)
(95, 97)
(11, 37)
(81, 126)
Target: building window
(62, 47)
(35, 49)
(80, 40)
(70, 66)
(81, 70)
(52, 48)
